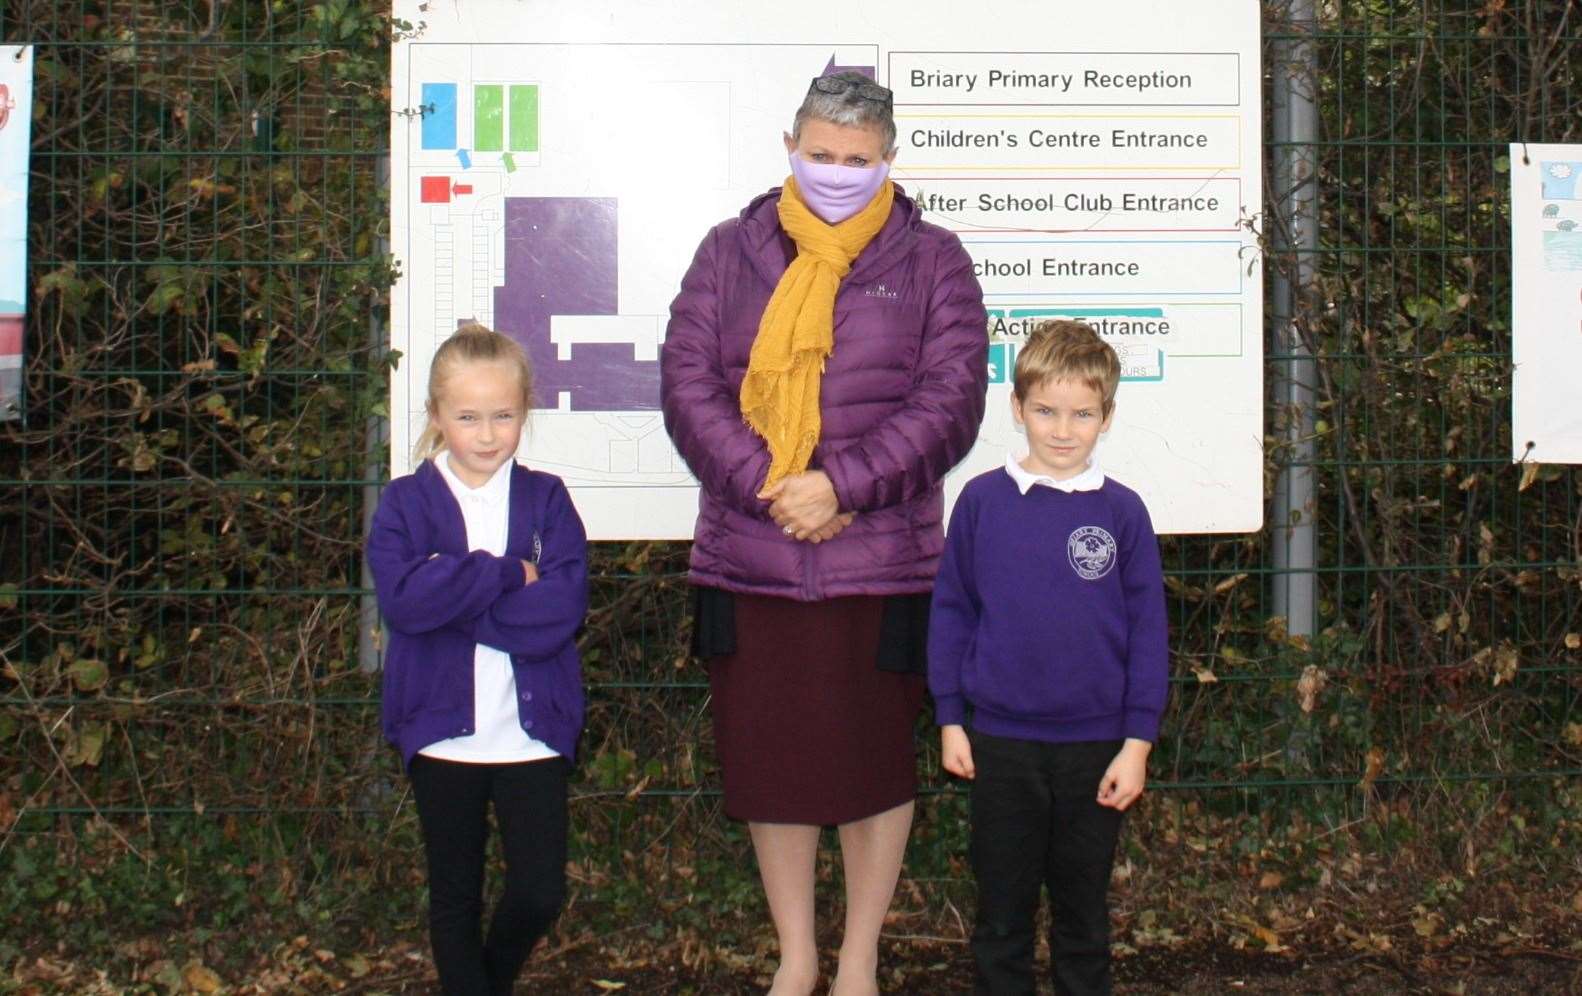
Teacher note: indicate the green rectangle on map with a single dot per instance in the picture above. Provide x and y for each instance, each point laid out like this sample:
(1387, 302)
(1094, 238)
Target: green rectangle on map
(488, 118)
(524, 118)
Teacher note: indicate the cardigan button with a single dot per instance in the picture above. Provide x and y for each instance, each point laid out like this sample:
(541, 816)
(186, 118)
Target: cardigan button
(528, 725)
(527, 696)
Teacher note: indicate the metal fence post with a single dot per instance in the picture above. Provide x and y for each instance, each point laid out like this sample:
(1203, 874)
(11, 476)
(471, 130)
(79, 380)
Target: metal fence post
(370, 642)
(1295, 119)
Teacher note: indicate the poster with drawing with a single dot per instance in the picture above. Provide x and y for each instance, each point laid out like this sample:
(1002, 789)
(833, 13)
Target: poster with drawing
(1546, 303)
(551, 176)
(16, 113)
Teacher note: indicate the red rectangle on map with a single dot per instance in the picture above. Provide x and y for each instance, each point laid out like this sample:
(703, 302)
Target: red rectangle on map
(435, 190)
(10, 335)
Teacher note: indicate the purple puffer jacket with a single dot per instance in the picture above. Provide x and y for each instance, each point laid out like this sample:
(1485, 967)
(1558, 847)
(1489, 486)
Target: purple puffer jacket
(902, 398)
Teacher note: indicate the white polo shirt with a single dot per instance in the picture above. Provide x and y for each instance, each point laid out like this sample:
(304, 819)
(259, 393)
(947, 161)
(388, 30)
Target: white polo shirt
(498, 737)
(1091, 478)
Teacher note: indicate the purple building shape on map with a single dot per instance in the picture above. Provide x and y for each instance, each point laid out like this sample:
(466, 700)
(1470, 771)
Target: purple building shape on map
(560, 259)
(830, 69)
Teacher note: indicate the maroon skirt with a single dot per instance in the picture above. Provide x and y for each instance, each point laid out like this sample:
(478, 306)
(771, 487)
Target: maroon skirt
(808, 728)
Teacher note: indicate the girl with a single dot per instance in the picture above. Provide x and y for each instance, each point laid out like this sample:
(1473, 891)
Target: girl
(481, 570)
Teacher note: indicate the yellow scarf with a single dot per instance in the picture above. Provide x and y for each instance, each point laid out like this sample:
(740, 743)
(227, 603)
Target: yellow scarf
(797, 331)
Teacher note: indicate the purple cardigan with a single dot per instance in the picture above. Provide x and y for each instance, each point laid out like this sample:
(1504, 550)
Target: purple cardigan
(901, 399)
(440, 600)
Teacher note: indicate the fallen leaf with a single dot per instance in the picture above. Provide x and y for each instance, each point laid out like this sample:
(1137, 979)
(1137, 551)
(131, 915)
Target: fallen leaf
(1573, 641)
(1204, 675)
(1309, 685)
(609, 986)
(1269, 938)
(1506, 660)
(1271, 880)
(165, 974)
(1229, 583)
(1375, 767)
(637, 790)
(200, 978)
(1529, 474)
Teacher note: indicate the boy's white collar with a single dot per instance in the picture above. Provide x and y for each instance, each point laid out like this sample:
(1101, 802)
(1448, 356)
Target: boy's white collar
(1091, 478)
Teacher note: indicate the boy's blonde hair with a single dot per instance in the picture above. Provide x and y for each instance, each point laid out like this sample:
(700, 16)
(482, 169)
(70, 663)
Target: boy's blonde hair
(472, 343)
(1062, 349)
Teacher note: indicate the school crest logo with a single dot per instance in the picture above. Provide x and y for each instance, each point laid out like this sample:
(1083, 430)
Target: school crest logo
(1091, 551)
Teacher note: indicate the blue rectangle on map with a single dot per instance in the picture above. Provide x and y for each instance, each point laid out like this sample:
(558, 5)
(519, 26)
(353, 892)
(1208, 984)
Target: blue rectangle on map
(439, 115)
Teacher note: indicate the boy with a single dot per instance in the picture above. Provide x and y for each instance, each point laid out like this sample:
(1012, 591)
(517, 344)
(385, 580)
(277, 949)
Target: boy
(1048, 621)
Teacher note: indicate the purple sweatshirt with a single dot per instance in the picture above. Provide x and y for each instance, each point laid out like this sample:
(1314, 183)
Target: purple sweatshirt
(440, 600)
(1048, 616)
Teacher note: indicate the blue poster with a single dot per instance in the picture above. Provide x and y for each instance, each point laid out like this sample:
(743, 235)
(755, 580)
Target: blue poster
(16, 113)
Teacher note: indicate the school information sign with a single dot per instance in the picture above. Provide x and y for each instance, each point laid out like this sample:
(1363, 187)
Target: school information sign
(1546, 302)
(554, 167)
(16, 113)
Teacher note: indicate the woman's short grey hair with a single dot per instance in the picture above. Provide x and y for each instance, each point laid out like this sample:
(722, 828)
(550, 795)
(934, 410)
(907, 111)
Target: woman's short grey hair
(848, 109)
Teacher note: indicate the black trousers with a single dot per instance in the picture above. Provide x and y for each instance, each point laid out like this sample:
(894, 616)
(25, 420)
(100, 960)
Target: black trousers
(1036, 823)
(452, 805)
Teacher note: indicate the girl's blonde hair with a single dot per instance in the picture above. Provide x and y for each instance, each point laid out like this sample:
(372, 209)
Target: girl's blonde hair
(1061, 349)
(472, 343)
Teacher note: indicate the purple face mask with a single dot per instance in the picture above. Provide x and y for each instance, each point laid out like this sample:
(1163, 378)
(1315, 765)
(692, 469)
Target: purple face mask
(835, 193)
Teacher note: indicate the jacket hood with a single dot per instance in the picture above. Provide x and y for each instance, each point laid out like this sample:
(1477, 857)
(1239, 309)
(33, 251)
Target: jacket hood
(770, 249)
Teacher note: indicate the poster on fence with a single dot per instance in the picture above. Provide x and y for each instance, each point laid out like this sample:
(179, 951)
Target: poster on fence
(16, 113)
(1546, 303)
(554, 171)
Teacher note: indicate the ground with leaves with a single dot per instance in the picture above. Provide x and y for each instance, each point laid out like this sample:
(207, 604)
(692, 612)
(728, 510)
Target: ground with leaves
(1289, 918)
(1394, 959)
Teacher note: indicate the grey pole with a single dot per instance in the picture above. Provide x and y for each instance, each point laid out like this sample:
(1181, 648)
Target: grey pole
(376, 443)
(1296, 234)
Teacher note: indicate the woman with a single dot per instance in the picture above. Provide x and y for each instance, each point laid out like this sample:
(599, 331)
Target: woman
(823, 369)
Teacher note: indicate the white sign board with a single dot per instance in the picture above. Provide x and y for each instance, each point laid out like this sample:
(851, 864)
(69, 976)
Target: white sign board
(16, 114)
(554, 166)
(1546, 303)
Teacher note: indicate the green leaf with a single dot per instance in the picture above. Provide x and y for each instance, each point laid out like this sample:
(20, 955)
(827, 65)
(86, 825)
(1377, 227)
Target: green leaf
(73, 292)
(166, 297)
(89, 745)
(89, 674)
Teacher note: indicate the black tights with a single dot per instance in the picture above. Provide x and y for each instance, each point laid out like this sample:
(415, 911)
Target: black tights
(530, 806)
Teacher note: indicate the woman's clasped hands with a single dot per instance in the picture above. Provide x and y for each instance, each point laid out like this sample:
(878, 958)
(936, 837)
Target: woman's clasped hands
(805, 508)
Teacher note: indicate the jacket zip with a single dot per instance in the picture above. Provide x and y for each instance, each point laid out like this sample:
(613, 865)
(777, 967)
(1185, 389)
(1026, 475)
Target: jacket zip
(810, 588)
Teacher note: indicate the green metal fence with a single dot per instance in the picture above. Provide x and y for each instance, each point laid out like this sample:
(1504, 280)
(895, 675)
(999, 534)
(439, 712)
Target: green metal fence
(180, 515)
